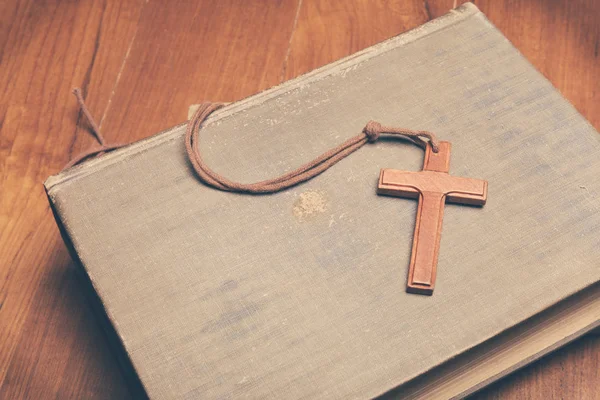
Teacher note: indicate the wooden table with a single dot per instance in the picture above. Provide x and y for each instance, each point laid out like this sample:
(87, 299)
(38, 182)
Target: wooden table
(140, 64)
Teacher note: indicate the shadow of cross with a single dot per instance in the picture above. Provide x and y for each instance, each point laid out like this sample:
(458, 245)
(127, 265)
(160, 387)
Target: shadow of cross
(433, 187)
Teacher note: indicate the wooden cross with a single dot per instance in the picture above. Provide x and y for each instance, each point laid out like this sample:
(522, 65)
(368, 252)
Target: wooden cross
(433, 187)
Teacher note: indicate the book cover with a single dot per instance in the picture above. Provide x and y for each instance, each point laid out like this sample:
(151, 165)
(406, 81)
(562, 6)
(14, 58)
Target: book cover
(301, 294)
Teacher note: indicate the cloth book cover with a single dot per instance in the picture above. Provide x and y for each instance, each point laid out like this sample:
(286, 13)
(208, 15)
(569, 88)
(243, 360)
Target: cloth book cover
(301, 294)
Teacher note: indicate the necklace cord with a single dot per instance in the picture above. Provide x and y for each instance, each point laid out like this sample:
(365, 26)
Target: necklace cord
(370, 134)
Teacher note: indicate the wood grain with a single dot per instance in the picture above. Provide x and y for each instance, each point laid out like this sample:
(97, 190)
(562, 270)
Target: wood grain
(49, 343)
(195, 52)
(329, 30)
(140, 63)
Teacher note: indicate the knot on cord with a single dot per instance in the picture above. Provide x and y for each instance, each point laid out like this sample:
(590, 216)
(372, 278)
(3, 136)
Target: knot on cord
(372, 130)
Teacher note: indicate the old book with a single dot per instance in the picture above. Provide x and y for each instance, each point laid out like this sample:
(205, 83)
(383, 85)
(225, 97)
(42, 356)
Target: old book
(301, 294)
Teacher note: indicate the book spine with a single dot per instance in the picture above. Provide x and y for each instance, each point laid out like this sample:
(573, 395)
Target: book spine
(134, 384)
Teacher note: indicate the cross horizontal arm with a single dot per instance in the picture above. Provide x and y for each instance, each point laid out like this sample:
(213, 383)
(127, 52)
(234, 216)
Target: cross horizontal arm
(410, 184)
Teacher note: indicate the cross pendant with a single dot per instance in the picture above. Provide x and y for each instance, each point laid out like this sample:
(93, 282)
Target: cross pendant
(433, 187)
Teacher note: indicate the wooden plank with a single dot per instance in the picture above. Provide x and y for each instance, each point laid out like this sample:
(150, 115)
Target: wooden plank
(201, 51)
(46, 48)
(329, 30)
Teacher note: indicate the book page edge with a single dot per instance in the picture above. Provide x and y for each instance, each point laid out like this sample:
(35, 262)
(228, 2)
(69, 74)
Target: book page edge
(521, 344)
